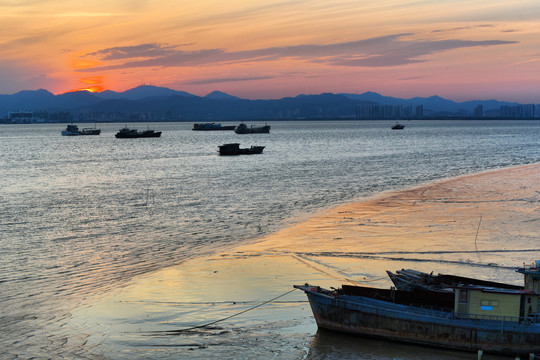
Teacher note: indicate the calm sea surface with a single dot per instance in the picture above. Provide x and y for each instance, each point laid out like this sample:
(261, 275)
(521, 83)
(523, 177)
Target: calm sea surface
(80, 216)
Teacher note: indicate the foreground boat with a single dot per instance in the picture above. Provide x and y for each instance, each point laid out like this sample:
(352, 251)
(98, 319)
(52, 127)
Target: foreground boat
(234, 149)
(398, 126)
(472, 317)
(244, 129)
(127, 133)
(73, 130)
(211, 127)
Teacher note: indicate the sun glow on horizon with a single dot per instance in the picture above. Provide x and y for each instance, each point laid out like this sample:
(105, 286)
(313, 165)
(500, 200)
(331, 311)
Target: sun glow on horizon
(92, 89)
(92, 84)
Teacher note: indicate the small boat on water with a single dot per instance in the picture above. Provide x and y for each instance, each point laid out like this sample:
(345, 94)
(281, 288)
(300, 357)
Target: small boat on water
(470, 317)
(73, 130)
(398, 126)
(244, 129)
(211, 127)
(235, 149)
(127, 133)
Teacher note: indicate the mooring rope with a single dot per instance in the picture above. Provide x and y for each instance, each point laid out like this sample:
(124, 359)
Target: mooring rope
(179, 331)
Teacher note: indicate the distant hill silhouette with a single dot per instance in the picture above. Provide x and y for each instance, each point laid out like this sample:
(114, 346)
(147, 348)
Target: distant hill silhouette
(218, 95)
(141, 92)
(165, 103)
(435, 104)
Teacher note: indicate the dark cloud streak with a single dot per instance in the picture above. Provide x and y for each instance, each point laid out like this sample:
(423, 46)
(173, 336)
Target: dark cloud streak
(130, 52)
(385, 51)
(464, 28)
(410, 53)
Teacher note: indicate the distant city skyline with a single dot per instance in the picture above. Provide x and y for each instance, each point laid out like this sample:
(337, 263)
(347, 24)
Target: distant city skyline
(459, 50)
(151, 103)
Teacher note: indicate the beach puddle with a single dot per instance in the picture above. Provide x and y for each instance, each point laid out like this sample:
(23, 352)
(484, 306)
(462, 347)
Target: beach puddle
(242, 307)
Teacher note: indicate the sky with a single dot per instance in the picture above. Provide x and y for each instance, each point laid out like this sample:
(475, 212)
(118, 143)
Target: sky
(460, 50)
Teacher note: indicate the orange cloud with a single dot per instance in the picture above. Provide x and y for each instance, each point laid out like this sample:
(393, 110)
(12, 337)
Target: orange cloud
(92, 80)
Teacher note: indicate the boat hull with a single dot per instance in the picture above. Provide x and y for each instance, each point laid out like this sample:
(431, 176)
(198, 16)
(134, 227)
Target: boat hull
(91, 131)
(243, 129)
(145, 134)
(73, 130)
(212, 127)
(374, 318)
(234, 149)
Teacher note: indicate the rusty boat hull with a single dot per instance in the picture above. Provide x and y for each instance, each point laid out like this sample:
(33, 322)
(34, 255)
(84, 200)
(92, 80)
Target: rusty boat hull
(371, 317)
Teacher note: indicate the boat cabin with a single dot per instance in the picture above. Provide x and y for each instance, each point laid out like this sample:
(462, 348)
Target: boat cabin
(486, 303)
(531, 277)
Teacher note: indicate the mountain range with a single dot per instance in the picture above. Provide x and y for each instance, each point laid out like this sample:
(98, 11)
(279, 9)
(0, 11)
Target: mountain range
(168, 104)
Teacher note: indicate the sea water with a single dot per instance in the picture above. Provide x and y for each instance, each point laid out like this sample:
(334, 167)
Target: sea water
(81, 216)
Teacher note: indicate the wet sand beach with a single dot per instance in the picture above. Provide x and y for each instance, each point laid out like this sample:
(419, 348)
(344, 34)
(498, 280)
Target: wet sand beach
(482, 225)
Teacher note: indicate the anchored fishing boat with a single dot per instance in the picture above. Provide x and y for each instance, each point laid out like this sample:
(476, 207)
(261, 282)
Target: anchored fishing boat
(244, 129)
(73, 130)
(211, 127)
(126, 133)
(471, 317)
(235, 149)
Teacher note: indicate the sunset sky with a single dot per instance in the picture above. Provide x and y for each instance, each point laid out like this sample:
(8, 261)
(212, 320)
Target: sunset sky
(460, 50)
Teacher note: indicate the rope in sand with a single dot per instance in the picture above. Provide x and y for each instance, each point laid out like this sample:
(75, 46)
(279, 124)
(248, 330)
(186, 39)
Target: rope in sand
(179, 331)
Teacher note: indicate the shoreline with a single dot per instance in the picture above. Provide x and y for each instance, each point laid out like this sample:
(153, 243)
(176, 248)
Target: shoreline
(387, 193)
(424, 207)
(431, 227)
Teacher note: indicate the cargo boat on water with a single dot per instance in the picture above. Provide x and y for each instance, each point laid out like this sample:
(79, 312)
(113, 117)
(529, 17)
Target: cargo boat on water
(73, 130)
(471, 317)
(211, 127)
(127, 133)
(235, 149)
(244, 129)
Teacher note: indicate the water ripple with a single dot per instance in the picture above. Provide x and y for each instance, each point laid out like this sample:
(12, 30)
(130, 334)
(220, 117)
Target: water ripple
(82, 216)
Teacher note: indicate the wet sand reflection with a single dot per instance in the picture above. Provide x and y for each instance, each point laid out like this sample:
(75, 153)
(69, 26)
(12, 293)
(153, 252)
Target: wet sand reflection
(429, 228)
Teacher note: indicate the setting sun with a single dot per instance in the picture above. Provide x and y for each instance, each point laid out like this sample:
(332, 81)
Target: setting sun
(92, 89)
(91, 84)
